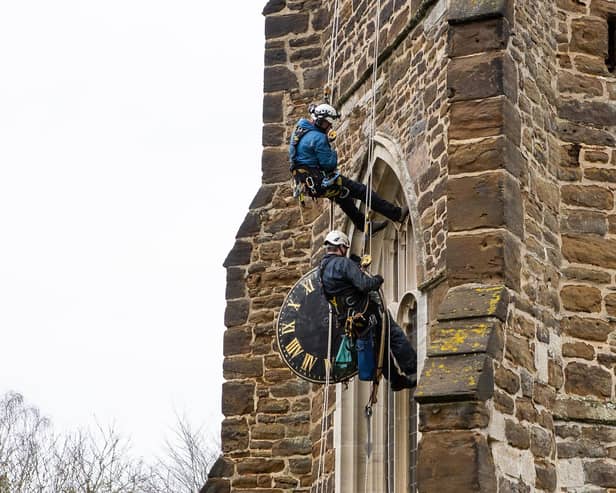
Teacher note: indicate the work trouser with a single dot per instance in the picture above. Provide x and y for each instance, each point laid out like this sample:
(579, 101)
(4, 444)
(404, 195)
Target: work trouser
(403, 359)
(401, 366)
(351, 191)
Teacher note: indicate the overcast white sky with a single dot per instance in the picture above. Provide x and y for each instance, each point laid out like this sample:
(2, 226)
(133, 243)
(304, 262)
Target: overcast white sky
(130, 148)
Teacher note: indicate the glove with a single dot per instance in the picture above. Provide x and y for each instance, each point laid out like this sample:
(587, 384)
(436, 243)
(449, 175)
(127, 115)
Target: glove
(379, 279)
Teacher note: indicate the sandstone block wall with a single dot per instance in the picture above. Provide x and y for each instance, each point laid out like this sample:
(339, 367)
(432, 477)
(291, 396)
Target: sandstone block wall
(504, 112)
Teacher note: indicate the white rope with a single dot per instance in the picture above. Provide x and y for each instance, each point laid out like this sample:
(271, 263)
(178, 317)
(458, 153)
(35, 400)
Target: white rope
(333, 49)
(323, 444)
(372, 131)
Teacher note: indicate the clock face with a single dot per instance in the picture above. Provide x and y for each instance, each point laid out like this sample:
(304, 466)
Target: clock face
(302, 329)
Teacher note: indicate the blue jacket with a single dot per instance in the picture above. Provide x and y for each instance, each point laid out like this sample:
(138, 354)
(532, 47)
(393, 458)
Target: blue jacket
(313, 149)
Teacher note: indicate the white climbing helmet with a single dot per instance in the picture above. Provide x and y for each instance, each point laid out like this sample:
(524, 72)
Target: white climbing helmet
(337, 238)
(323, 111)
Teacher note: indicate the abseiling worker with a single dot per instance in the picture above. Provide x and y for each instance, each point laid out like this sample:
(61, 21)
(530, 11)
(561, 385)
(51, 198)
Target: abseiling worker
(353, 294)
(314, 166)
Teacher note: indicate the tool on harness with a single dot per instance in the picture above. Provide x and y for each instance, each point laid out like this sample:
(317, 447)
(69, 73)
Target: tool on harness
(328, 181)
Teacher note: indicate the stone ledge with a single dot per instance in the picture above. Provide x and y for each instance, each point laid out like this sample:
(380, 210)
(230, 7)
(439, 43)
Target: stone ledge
(585, 410)
(465, 337)
(456, 378)
(465, 11)
(474, 301)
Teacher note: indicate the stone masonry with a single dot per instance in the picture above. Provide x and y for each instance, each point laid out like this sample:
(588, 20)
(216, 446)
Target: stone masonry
(505, 112)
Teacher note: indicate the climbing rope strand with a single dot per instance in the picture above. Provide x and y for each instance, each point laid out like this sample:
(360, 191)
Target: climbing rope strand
(323, 444)
(372, 132)
(333, 48)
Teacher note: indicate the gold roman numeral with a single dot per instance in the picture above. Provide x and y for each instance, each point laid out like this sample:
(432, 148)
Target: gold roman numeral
(294, 305)
(308, 286)
(309, 362)
(288, 328)
(294, 348)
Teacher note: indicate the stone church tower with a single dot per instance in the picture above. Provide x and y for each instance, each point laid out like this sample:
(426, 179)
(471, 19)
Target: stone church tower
(496, 125)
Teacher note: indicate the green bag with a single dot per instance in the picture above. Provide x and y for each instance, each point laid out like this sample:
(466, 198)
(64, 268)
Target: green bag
(345, 363)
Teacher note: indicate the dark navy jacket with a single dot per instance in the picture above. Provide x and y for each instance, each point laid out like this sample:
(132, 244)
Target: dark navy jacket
(313, 149)
(343, 278)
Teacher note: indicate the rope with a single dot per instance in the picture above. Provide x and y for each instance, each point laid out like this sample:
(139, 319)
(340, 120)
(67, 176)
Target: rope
(323, 444)
(367, 247)
(333, 48)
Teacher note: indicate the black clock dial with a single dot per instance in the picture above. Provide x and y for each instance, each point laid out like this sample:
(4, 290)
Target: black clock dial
(302, 329)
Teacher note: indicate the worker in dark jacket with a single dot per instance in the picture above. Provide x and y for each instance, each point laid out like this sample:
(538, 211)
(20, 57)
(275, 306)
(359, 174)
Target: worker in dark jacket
(314, 165)
(353, 295)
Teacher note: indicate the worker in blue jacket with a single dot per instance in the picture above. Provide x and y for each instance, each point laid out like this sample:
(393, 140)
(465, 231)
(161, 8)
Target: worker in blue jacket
(353, 295)
(314, 165)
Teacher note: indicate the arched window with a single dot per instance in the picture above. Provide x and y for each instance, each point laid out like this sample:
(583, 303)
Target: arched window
(392, 440)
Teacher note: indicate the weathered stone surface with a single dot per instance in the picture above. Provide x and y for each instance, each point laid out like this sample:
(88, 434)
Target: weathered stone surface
(273, 406)
(587, 380)
(456, 377)
(578, 350)
(465, 336)
(489, 200)
(484, 118)
(517, 434)
(477, 37)
(474, 301)
(272, 136)
(541, 442)
(272, 108)
(601, 174)
(555, 374)
(610, 304)
(222, 468)
(546, 476)
(574, 132)
(584, 221)
(589, 35)
(281, 25)
(579, 84)
(279, 78)
(526, 410)
(259, 465)
(263, 197)
(236, 284)
(584, 275)
(275, 165)
(594, 112)
(585, 410)
(234, 434)
(274, 6)
(216, 485)
(488, 257)
(236, 312)
(239, 254)
(491, 153)
(464, 11)
(292, 446)
(588, 249)
(591, 329)
(588, 196)
(588, 64)
(600, 473)
(580, 298)
(477, 76)
(457, 461)
(237, 398)
(520, 352)
(240, 368)
(580, 448)
(507, 379)
(453, 416)
(250, 226)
